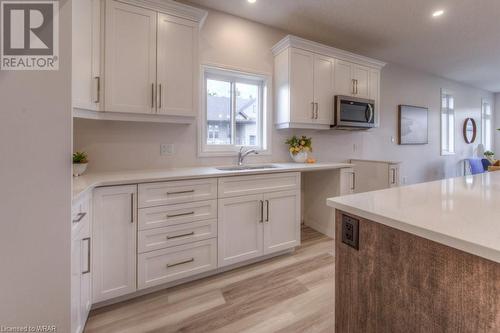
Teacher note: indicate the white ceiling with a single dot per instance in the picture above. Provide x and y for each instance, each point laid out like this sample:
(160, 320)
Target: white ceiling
(462, 45)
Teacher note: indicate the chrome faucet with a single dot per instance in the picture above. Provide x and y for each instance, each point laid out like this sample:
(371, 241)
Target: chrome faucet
(242, 155)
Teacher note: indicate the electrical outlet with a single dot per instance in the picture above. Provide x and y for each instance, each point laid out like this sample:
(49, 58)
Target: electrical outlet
(167, 149)
(350, 231)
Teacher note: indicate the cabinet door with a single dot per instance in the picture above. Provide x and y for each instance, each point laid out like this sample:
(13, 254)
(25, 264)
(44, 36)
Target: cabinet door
(85, 72)
(343, 81)
(130, 60)
(76, 255)
(240, 229)
(85, 280)
(114, 234)
(281, 221)
(323, 89)
(362, 76)
(177, 65)
(302, 83)
(347, 181)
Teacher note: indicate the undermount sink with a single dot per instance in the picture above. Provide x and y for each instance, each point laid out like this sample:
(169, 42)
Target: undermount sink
(247, 167)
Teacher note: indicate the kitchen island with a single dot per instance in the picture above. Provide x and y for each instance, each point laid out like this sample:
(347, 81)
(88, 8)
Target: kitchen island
(419, 258)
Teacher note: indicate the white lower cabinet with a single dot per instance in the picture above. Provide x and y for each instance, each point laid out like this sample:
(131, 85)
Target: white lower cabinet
(81, 291)
(254, 225)
(114, 242)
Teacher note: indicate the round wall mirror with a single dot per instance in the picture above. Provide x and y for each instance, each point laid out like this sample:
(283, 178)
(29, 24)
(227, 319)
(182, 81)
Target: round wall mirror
(470, 130)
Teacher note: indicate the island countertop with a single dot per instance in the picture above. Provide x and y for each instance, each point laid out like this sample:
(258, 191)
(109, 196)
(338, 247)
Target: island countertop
(89, 181)
(463, 212)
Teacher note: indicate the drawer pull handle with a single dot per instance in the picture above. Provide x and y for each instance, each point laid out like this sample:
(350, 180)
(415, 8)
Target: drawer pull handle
(183, 235)
(178, 215)
(180, 263)
(180, 192)
(79, 217)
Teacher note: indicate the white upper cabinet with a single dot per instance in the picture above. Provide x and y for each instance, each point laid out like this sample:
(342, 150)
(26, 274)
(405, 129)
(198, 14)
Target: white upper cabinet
(309, 75)
(301, 86)
(177, 65)
(323, 89)
(130, 59)
(149, 57)
(86, 75)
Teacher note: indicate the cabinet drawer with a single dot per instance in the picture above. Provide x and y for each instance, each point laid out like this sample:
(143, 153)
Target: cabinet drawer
(157, 194)
(160, 238)
(164, 216)
(246, 185)
(162, 266)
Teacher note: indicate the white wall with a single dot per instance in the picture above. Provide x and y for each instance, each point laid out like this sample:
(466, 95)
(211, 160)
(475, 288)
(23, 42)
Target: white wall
(35, 201)
(234, 42)
(497, 122)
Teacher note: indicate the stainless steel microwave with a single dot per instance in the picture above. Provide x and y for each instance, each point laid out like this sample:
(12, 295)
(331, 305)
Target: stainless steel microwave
(354, 113)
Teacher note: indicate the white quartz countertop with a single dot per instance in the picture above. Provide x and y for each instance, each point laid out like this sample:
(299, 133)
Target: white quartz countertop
(89, 181)
(463, 212)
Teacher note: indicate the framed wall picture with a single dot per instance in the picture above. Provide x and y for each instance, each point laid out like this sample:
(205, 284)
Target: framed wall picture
(413, 125)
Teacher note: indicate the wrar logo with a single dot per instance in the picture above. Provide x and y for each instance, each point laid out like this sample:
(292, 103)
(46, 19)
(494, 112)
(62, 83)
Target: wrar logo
(30, 35)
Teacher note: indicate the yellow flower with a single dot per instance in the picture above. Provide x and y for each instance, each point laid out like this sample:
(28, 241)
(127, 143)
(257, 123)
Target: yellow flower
(306, 148)
(291, 149)
(297, 149)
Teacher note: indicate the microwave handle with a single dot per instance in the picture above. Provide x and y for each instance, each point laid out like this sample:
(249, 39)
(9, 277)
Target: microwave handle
(370, 108)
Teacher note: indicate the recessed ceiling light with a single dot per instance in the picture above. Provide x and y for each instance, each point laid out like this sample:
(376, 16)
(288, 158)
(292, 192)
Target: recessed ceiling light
(252, 1)
(438, 13)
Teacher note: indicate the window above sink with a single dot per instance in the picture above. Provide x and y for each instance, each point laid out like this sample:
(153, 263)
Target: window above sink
(235, 112)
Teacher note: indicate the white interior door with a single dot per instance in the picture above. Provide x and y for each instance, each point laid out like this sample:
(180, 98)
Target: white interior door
(343, 78)
(114, 234)
(130, 61)
(362, 76)
(301, 86)
(281, 221)
(323, 89)
(240, 229)
(177, 65)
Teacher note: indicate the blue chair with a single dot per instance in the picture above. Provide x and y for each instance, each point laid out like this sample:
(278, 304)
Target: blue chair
(475, 166)
(486, 163)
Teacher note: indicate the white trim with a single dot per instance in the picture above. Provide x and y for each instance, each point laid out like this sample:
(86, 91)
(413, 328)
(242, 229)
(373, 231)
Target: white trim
(492, 124)
(205, 150)
(173, 8)
(329, 51)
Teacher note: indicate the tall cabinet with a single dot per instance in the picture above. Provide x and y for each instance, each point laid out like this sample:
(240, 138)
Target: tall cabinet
(309, 75)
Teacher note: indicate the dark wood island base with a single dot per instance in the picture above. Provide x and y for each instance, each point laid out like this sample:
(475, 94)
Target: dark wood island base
(398, 282)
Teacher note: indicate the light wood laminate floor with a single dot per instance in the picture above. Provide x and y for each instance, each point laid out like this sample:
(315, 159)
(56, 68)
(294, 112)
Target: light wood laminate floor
(287, 294)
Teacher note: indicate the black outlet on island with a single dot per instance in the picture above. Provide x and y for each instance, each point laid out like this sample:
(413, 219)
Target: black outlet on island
(350, 231)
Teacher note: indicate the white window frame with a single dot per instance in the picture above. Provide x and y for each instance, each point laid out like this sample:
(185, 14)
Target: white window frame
(448, 151)
(485, 133)
(224, 72)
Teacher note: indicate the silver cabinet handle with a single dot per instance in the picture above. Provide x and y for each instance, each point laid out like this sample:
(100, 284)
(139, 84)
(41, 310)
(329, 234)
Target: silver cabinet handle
(88, 255)
(393, 176)
(370, 108)
(152, 95)
(267, 210)
(356, 81)
(180, 192)
(179, 236)
(261, 211)
(317, 110)
(80, 217)
(160, 95)
(131, 207)
(178, 215)
(353, 181)
(98, 89)
(181, 262)
(353, 87)
(312, 104)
